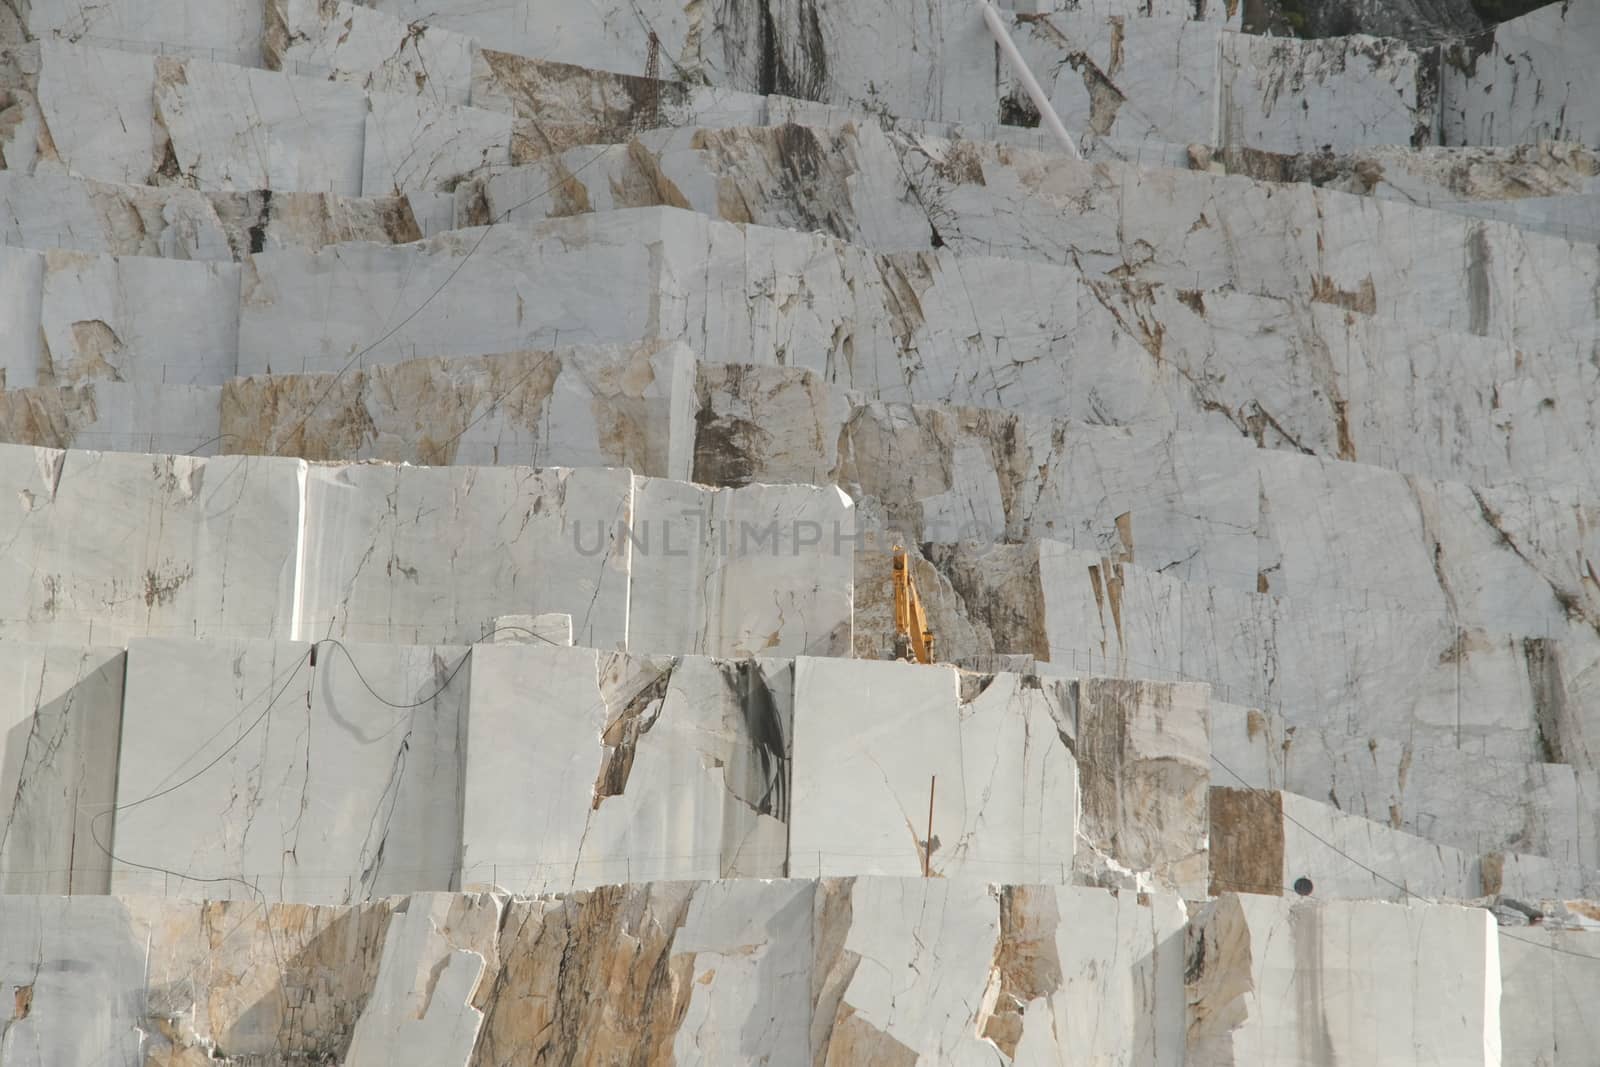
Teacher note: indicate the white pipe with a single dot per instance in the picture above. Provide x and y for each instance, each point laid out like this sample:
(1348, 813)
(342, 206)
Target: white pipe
(1047, 114)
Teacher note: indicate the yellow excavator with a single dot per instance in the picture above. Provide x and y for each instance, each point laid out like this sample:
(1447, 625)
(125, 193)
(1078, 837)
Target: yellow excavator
(913, 639)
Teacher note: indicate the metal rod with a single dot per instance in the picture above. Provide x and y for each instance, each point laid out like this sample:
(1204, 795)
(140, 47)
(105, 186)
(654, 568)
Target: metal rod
(1047, 114)
(927, 846)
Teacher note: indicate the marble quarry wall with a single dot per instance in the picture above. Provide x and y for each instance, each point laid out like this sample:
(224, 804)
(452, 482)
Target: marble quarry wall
(260, 547)
(452, 458)
(328, 772)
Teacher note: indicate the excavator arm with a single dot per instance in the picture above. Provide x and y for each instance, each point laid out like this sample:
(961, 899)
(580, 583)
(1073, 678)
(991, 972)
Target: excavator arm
(913, 639)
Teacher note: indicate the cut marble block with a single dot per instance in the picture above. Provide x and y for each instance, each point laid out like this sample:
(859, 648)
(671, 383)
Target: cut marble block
(764, 570)
(239, 128)
(1280, 843)
(71, 963)
(605, 406)
(1435, 683)
(1548, 982)
(1140, 79)
(558, 105)
(422, 1000)
(847, 316)
(1248, 747)
(696, 44)
(1527, 80)
(686, 972)
(991, 780)
(1531, 808)
(103, 547)
(1143, 753)
(626, 767)
(1508, 874)
(246, 771)
(1277, 980)
(765, 424)
(1343, 91)
(115, 416)
(47, 211)
(582, 281)
(81, 316)
(1549, 187)
(228, 32)
(847, 972)
(99, 108)
(430, 553)
(1383, 317)
(139, 319)
(60, 716)
(415, 144)
(123, 980)
(953, 971)
(352, 43)
(135, 119)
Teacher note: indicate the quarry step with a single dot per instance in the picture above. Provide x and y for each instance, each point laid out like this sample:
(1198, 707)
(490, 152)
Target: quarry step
(103, 547)
(1202, 507)
(136, 119)
(1529, 809)
(576, 767)
(1378, 674)
(1156, 983)
(1180, 228)
(1400, 394)
(1279, 844)
(49, 211)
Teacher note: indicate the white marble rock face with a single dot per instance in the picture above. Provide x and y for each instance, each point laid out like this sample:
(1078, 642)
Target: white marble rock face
(420, 968)
(759, 570)
(105, 546)
(630, 768)
(357, 44)
(1144, 764)
(1537, 808)
(1422, 678)
(139, 319)
(1343, 91)
(1276, 980)
(993, 771)
(138, 119)
(432, 553)
(953, 971)
(99, 106)
(588, 406)
(115, 416)
(1525, 81)
(1267, 842)
(62, 716)
(229, 33)
(1546, 1016)
(519, 290)
(844, 971)
(254, 774)
(601, 36)
(416, 145)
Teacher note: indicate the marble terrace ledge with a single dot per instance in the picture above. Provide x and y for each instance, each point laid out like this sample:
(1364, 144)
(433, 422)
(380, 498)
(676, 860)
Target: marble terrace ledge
(868, 970)
(251, 769)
